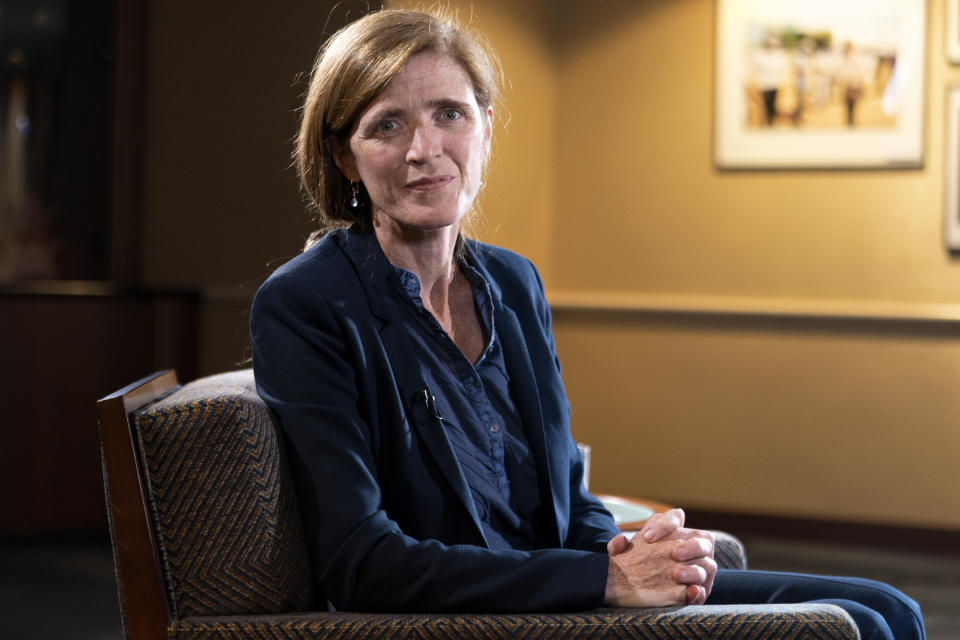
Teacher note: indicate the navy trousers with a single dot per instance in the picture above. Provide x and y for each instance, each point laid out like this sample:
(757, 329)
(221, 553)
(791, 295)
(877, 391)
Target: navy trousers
(880, 611)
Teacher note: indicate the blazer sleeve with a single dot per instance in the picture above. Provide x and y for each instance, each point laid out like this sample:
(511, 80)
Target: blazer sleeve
(309, 365)
(591, 525)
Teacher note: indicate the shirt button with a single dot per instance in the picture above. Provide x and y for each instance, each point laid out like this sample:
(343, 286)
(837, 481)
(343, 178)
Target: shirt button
(494, 427)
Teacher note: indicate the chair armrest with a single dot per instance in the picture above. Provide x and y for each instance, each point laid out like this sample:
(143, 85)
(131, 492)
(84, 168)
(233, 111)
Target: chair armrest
(728, 551)
(772, 622)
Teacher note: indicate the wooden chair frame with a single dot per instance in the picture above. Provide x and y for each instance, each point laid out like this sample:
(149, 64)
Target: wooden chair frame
(145, 609)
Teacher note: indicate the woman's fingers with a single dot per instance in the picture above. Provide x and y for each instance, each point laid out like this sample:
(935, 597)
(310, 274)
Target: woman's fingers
(697, 544)
(676, 567)
(690, 574)
(617, 544)
(696, 594)
(643, 575)
(660, 525)
(700, 573)
(711, 567)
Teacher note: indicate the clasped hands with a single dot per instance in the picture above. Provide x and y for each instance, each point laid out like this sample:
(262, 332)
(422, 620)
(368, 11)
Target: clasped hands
(663, 565)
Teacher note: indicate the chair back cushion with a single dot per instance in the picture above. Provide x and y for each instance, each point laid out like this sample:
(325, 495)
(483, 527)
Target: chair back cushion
(223, 501)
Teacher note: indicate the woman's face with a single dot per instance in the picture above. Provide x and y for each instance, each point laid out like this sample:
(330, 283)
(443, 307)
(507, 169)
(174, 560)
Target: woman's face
(419, 147)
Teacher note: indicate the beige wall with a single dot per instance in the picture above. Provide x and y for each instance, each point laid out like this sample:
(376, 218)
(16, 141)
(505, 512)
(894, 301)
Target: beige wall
(759, 369)
(644, 83)
(817, 417)
(731, 384)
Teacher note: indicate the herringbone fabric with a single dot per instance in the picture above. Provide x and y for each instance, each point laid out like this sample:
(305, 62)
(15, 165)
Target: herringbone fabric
(767, 622)
(232, 545)
(728, 551)
(223, 501)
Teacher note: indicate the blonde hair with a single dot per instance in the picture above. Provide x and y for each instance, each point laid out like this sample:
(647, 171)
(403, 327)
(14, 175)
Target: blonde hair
(351, 69)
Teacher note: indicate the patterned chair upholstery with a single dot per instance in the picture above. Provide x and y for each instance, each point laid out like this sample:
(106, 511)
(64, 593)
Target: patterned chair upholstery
(223, 533)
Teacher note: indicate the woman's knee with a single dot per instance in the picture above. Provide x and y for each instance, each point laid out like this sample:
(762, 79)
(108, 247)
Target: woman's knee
(901, 612)
(871, 623)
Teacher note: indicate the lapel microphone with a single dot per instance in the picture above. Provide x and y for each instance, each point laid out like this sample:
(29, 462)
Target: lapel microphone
(429, 403)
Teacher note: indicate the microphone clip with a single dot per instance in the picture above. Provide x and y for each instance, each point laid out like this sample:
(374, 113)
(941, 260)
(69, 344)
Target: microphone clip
(429, 403)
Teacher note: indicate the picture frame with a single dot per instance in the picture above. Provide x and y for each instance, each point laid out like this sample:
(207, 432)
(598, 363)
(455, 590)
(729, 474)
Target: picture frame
(952, 36)
(951, 209)
(819, 84)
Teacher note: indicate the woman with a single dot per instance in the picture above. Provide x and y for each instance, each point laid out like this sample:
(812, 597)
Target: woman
(414, 372)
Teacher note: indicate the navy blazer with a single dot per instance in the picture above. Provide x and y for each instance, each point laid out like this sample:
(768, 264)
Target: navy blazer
(390, 520)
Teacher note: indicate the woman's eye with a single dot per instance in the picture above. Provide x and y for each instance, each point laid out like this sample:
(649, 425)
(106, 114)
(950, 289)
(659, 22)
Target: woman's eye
(387, 126)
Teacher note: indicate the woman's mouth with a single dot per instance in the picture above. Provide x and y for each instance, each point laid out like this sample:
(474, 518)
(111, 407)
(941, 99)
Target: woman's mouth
(429, 184)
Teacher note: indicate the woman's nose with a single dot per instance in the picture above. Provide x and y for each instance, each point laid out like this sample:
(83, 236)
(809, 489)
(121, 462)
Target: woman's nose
(425, 143)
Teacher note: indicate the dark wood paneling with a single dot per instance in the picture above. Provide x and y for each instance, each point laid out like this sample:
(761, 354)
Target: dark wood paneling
(60, 353)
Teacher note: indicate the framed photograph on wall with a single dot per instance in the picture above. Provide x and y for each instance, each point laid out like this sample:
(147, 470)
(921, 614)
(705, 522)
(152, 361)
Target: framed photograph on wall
(819, 84)
(952, 165)
(953, 31)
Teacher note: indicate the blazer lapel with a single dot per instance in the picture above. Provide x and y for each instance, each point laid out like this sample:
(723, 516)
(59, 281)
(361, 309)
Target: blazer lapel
(375, 273)
(418, 399)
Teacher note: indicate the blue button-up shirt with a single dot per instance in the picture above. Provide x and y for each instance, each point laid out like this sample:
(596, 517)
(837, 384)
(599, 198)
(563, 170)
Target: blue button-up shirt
(479, 415)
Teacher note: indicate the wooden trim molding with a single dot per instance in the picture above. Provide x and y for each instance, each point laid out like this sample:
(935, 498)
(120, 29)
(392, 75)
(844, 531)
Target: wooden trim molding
(757, 307)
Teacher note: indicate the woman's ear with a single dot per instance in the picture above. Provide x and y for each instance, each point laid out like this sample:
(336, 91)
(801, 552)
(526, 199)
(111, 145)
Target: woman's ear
(488, 129)
(343, 158)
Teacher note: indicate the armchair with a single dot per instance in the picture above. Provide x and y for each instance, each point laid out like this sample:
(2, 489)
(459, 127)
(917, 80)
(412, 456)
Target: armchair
(208, 543)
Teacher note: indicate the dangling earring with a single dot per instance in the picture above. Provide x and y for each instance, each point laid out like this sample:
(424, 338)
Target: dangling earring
(353, 200)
